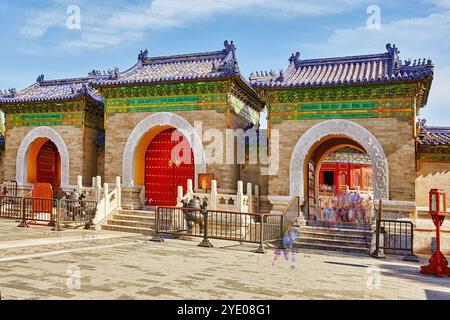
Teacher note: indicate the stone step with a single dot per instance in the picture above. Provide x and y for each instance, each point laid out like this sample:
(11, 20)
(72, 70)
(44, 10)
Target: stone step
(336, 231)
(139, 218)
(131, 223)
(144, 231)
(332, 242)
(132, 206)
(135, 213)
(342, 225)
(340, 236)
(317, 246)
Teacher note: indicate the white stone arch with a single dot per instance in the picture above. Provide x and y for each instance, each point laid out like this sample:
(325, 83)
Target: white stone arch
(22, 153)
(351, 130)
(161, 119)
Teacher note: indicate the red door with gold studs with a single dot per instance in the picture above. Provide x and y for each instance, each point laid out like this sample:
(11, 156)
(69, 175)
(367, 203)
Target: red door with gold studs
(164, 172)
(47, 165)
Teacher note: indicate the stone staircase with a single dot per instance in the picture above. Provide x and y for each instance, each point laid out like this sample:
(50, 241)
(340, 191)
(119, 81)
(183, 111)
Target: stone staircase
(133, 221)
(343, 239)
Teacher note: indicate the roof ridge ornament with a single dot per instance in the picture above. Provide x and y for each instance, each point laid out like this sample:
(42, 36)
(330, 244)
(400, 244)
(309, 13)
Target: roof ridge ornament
(421, 126)
(143, 55)
(295, 58)
(395, 62)
(40, 78)
(229, 63)
(12, 92)
(229, 46)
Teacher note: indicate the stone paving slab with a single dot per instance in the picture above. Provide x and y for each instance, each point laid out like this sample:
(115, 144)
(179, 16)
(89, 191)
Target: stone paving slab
(136, 268)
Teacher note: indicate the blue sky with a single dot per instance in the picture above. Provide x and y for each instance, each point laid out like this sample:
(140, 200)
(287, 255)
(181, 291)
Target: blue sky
(36, 39)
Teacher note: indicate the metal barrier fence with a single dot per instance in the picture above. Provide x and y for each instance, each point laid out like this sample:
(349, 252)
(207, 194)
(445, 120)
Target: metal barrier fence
(40, 210)
(398, 236)
(11, 207)
(395, 236)
(73, 210)
(8, 188)
(216, 224)
(53, 212)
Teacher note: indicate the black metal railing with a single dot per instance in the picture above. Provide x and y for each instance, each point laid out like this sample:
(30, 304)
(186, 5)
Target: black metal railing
(53, 212)
(216, 224)
(393, 236)
(40, 210)
(11, 207)
(8, 188)
(397, 236)
(73, 210)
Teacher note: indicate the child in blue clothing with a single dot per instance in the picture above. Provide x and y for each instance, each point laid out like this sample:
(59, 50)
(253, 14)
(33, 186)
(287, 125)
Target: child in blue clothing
(288, 246)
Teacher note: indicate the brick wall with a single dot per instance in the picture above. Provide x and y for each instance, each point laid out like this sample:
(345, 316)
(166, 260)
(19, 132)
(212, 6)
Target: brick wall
(89, 155)
(2, 166)
(432, 175)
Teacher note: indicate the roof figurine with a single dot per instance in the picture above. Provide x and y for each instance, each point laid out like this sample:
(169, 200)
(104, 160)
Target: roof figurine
(40, 78)
(295, 58)
(143, 55)
(394, 59)
(12, 92)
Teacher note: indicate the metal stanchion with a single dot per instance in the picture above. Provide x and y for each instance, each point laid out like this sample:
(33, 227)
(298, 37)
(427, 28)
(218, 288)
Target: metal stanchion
(205, 242)
(57, 226)
(377, 253)
(261, 236)
(24, 223)
(157, 237)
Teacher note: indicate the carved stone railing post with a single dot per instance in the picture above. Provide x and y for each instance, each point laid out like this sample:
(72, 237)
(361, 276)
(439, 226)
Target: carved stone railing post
(257, 198)
(98, 188)
(250, 197)
(190, 190)
(213, 201)
(119, 192)
(179, 196)
(239, 196)
(79, 183)
(106, 197)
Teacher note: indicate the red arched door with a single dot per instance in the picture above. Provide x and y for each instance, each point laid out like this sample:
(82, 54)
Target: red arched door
(47, 167)
(162, 173)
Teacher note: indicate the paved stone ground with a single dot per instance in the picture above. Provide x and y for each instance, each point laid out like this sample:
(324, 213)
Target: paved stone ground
(35, 263)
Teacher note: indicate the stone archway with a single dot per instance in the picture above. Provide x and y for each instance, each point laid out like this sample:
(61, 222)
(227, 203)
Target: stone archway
(348, 129)
(22, 153)
(161, 119)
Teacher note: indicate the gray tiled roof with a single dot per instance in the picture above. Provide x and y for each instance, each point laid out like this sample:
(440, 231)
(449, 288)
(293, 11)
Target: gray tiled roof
(198, 66)
(52, 90)
(374, 68)
(434, 136)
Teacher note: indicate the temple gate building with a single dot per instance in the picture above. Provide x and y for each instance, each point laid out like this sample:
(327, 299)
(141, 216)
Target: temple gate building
(116, 123)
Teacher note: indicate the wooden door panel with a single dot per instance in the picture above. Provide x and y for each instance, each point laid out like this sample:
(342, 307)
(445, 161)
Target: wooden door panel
(162, 174)
(47, 165)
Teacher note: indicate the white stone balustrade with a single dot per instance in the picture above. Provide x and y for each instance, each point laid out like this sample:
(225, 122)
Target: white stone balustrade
(238, 202)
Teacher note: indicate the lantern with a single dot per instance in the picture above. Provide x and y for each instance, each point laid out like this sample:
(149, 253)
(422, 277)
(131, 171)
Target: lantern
(204, 181)
(438, 264)
(437, 202)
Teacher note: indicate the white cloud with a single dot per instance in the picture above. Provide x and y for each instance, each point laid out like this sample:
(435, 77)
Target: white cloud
(115, 22)
(39, 22)
(420, 37)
